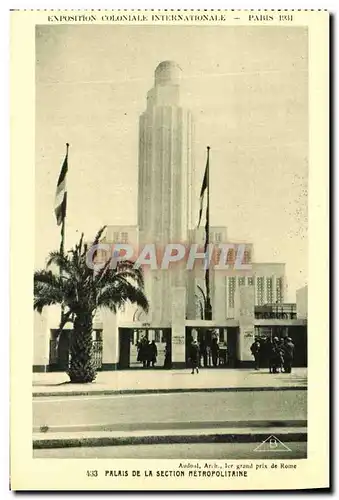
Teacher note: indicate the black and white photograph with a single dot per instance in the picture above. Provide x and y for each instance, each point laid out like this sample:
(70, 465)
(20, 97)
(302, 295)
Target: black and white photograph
(170, 298)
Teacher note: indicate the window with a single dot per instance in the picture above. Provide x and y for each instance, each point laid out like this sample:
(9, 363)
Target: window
(124, 238)
(157, 335)
(247, 257)
(97, 335)
(217, 255)
(280, 290)
(241, 281)
(99, 257)
(120, 237)
(269, 290)
(217, 237)
(231, 256)
(231, 291)
(250, 280)
(260, 291)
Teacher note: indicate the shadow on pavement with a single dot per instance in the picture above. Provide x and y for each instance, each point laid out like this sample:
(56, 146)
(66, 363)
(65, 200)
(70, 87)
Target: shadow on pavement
(56, 384)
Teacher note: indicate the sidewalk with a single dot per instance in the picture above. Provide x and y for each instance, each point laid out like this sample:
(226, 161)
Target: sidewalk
(174, 436)
(160, 381)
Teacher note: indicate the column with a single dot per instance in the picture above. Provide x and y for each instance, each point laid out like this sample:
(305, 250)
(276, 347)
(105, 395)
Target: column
(41, 342)
(178, 327)
(191, 291)
(110, 337)
(219, 296)
(245, 312)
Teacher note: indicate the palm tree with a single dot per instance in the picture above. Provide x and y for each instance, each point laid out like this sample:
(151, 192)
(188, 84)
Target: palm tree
(81, 291)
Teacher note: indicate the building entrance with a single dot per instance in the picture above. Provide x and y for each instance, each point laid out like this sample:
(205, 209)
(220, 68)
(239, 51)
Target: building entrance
(298, 334)
(146, 348)
(218, 346)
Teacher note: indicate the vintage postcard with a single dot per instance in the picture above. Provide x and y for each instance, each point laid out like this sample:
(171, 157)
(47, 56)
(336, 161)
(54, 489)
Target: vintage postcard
(169, 324)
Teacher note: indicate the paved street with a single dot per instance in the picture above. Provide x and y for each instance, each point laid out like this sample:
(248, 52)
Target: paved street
(207, 451)
(118, 411)
(193, 418)
(170, 380)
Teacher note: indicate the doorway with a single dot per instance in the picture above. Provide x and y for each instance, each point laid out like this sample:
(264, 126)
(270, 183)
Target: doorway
(218, 346)
(145, 348)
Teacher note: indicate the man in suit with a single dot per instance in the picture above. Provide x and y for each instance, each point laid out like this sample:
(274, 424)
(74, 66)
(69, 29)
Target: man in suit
(195, 356)
(288, 354)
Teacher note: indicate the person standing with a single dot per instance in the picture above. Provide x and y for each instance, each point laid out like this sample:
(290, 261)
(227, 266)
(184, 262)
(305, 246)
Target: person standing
(148, 353)
(153, 353)
(142, 355)
(270, 355)
(277, 355)
(195, 356)
(203, 351)
(209, 355)
(282, 354)
(255, 350)
(288, 354)
(215, 351)
(167, 362)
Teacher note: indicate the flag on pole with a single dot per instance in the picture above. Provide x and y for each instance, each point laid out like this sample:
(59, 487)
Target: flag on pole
(203, 191)
(61, 193)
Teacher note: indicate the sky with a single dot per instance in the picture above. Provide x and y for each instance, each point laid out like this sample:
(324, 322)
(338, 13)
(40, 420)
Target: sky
(247, 88)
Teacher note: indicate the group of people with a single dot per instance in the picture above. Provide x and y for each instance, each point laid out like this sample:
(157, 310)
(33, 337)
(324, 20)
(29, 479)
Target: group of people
(208, 352)
(147, 352)
(276, 353)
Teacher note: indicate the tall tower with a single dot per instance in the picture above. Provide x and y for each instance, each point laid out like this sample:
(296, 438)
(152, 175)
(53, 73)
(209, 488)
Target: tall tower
(165, 180)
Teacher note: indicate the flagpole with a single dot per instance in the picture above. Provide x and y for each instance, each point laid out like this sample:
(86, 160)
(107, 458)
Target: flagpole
(208, 306)
(62, 245)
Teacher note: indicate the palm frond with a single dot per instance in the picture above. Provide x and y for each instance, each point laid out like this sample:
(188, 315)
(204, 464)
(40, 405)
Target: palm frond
(124, 268)
(80, 289)
(44, 298)
(43, 276)
(98, 235)
(114, 296)
(58, 259)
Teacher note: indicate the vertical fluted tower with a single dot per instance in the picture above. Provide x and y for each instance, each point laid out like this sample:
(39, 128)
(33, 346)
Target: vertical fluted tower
(165, 179)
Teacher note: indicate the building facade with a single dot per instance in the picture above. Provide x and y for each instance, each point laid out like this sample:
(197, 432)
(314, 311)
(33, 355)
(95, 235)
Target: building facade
(302, 300)
(166, 214)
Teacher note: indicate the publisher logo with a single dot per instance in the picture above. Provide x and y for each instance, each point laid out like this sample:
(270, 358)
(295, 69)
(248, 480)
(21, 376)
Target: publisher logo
(272, 443)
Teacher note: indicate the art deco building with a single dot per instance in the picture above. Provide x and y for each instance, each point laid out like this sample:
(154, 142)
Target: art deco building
(165, 181)
(166, 214)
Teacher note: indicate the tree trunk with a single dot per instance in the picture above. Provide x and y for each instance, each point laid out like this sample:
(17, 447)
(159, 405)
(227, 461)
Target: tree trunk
(81, 368)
